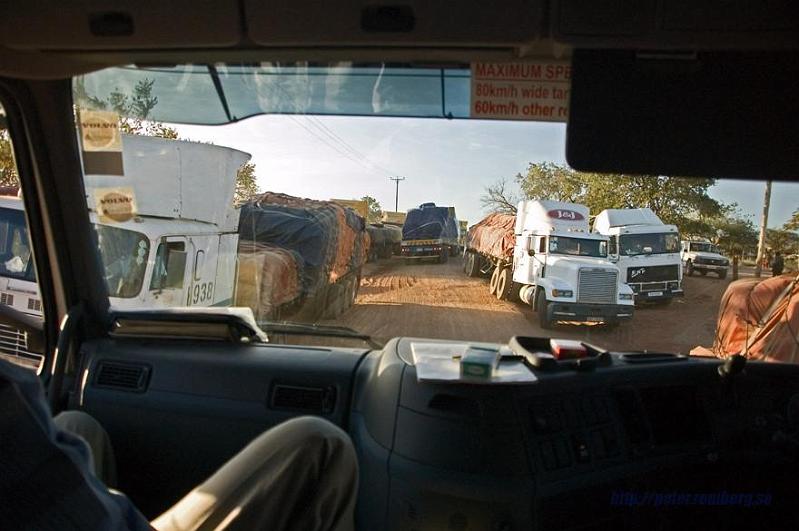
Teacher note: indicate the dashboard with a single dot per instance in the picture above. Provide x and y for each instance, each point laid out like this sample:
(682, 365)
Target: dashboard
(638, 440)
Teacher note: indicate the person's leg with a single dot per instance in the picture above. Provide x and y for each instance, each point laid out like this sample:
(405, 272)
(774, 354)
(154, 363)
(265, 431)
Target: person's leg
(302, 474)
(86, 427)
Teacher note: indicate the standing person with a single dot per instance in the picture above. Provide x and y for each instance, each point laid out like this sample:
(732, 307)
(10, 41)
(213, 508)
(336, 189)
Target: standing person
(777, 265)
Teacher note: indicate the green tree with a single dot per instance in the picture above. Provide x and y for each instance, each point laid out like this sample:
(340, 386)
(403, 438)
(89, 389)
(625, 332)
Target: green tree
(8, 168)
(678, 200)
(548, 180)
(793, 222)
(733, 232)
(246, 183)
(375, 210)
(133, 109)
(782, 241)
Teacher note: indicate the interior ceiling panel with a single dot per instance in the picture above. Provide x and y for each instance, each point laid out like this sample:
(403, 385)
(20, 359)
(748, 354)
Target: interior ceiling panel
(109, 25)
(408, 22)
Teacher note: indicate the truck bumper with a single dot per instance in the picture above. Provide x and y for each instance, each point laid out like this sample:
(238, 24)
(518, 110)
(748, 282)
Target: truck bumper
(589, 313)
(709, 267)
(659, 295)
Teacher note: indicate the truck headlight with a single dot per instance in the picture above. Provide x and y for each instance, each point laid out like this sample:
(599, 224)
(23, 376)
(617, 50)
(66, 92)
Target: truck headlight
(674, 285)
(562, 293)
(625, 296)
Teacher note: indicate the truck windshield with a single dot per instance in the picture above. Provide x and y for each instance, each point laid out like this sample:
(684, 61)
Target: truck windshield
(15, 252)
(578, 246)
(124, 255)
(704, 247)
(635, 244)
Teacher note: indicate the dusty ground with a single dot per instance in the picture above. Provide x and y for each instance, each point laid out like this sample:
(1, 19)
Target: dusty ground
(440, 301)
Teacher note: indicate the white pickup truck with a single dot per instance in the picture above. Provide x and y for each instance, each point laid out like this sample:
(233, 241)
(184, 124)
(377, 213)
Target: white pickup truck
(703, 257)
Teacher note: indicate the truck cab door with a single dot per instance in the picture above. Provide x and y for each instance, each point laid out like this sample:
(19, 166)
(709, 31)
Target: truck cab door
(524, 265)
(203, 272)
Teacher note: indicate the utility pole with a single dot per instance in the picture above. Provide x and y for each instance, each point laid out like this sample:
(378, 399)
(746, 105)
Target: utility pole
(396, 196)
(761, 244)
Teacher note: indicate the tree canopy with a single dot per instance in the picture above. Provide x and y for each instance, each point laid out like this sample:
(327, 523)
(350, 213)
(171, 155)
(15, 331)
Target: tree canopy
(682, 201)
(375, 210)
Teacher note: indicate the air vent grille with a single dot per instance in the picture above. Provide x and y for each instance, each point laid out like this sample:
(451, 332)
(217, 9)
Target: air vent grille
(124, 376)
(7, 299)
(308, 399)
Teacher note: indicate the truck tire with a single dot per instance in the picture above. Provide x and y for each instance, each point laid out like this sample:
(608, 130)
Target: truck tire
(541, 306)
(492, 284)
(504, 284)
(689, 269)
(702, 272)
(472, 265)
(442, 259)
(722, 274)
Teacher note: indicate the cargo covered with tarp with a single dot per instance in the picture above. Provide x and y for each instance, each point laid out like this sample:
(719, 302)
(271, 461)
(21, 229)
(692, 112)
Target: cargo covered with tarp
(268, 278)
(329, 241)
(758, 319)
(493, 236)
(430, 222)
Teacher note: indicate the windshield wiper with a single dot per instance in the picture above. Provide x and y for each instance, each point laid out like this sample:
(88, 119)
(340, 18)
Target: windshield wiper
(301, 329)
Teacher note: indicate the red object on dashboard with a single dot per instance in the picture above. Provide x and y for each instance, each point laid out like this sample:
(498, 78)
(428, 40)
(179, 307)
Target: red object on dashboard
(567, 349)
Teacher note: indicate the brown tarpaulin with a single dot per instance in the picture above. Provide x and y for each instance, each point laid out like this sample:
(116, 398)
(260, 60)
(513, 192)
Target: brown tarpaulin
(493, 235)
(759, 319)
(267, 279)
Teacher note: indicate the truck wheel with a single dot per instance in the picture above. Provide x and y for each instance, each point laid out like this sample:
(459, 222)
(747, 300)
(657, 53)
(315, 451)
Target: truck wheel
(541, 306)
(689, 269)
(722, 274)
(504, 284)
(472, 265)
(702, 272)
(492, 284)
(444, 256)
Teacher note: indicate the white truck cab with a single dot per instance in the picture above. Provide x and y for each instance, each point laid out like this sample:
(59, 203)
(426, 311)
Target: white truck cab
(563, 269)
(646, 250)
(702, 257)
(18, 287)
(176, 247)
(179, 248)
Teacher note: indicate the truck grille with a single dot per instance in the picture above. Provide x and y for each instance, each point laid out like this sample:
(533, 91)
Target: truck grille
(14, 348)
(662, 273)
(597, 286)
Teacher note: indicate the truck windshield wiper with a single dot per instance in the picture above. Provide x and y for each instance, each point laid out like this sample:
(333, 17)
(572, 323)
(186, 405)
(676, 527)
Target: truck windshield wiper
(316, 330)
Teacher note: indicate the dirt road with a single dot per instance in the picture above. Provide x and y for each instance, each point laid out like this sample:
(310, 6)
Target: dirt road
(439, 301)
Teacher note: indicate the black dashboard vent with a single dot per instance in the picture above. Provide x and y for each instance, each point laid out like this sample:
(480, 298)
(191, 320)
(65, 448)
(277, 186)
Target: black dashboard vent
(123, 376)
(307, 399)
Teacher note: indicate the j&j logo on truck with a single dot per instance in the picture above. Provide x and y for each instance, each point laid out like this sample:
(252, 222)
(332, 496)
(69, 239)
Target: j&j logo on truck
(565, 214)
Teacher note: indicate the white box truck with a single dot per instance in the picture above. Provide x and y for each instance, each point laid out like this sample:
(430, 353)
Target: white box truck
(550, 260)
(646, 250)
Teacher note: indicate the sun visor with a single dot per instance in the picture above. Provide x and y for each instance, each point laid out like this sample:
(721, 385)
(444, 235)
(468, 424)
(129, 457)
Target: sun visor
(694, 114)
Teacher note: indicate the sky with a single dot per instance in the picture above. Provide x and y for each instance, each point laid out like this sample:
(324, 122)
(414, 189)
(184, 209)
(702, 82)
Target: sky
(448, 162)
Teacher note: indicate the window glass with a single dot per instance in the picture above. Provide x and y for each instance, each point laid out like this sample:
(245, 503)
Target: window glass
(19, 287)
(124, 254)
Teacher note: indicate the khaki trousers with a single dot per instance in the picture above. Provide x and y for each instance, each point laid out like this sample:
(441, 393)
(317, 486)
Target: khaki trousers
(299, 475)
